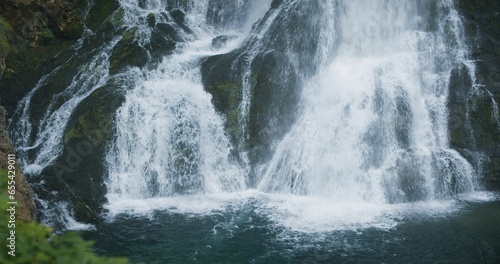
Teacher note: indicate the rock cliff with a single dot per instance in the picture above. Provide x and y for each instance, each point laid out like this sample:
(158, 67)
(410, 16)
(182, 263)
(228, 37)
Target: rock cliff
(24, 193)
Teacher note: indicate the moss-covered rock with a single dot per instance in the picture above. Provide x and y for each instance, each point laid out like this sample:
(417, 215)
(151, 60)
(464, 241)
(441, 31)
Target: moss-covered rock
(229, 95)
(100, 11)
(474, 125)
(274, 78)
(460, 83)
(168, 30)
(127, 53)
(5, 48)
(45, 36)
(116, 19)
(225, 88)
(72, 29)
(32, 32)
(78, 174)
(151, 19)
(5, 30)
(275, 96)
(160, 44)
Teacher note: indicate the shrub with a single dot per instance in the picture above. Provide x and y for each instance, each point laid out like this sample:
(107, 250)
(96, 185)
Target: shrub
(36, 243)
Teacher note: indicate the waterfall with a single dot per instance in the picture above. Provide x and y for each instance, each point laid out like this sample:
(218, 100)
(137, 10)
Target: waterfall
(169, 138)
(40, 151)
(373, 121)
(353, 94)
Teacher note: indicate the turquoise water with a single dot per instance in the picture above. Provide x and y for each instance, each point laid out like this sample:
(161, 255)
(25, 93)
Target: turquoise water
(459, 231)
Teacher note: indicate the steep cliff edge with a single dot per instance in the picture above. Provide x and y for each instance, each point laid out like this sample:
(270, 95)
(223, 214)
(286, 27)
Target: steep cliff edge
(24, 193)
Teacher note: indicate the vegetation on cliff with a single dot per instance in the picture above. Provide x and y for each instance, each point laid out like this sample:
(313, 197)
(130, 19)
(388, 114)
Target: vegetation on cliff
(35, 243)
(32, 32)
(34, 25)
(24, 193)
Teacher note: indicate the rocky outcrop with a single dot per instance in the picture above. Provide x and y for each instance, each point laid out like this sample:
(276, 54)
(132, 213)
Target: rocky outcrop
(78, 174)
(32, 32)
(24, 194)
(31, 20)
(474, 115)
(273, 77)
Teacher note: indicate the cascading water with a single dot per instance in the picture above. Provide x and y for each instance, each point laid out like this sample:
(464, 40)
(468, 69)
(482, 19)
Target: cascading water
(373, 121)
(370, 126)
(170, 140)
(262, 131)
(39, 152)
(37, 128)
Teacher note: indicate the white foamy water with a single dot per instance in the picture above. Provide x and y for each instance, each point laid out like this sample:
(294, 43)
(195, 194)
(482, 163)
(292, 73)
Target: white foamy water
(369, 147)
(373, 121)
(295, 213)
(170, 140)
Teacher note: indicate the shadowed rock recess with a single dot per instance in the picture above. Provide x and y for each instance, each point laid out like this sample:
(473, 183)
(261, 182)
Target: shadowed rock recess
(48, 46)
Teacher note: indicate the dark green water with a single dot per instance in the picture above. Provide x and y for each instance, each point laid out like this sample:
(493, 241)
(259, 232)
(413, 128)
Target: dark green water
(468, 231)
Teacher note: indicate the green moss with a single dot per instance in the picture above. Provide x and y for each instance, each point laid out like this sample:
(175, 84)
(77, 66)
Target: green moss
(94, 119)
(4, 24)
(228, 97)
(101, 10)
(127, 53)
(117, 18)
(129, 35)
(83, 212)
(72, 134)
(4, 45)
(5, 28)
(73, 29)
(46, 36)
(35, 59)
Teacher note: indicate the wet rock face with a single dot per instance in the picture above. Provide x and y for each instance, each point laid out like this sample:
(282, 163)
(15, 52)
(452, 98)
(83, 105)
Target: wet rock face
(220, 42)
(30, 18)
(273, 78)
(474, 124)
(228, 13)
(24, 193)
(77, 176)
(79, 172)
